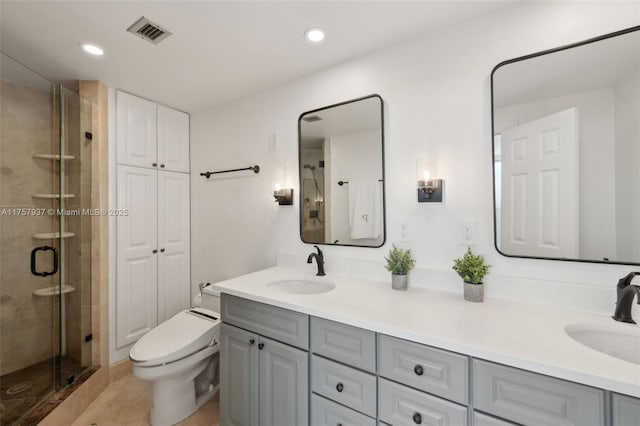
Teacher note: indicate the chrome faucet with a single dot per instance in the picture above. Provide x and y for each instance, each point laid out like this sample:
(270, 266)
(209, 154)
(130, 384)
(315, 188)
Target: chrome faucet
(625, 292)
(319, 260)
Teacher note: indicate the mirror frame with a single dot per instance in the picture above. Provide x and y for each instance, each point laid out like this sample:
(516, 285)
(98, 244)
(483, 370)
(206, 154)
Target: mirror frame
(493, 163)
(384, 179)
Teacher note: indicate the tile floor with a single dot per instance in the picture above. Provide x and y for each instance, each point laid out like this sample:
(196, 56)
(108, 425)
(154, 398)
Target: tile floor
(127, 401)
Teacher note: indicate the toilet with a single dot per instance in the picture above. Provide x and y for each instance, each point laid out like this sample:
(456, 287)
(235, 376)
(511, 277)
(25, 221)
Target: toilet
(180, 358)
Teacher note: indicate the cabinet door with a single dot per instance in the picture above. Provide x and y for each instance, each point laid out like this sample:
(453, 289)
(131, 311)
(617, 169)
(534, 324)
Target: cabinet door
(173, 140)
(238, 377)
(137, 265)
(135, 131)
(284, 384)
(626, 410)
(173, 244)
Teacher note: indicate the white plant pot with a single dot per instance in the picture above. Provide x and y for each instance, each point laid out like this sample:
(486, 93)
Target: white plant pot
(399, 282)
(474, 292)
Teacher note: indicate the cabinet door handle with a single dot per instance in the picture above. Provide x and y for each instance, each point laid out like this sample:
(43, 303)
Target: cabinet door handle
(162, 250)
(260, 346)
(154, 251)
(154, 164)
(162, 166)
(417, 418)
(418, 370)
(252, 342)
(339, 387)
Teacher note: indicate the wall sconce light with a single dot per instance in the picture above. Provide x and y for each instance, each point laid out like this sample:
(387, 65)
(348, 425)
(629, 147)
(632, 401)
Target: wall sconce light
(429, 190)
(284, 197)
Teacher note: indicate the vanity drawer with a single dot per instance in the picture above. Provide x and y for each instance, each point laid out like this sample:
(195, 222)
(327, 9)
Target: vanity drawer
(400, 405)
(270, 321)
(350, 345)
(531, 398)
(328, 413)
(626, 410)
(346, 385)
(432, 370)
(484, 420)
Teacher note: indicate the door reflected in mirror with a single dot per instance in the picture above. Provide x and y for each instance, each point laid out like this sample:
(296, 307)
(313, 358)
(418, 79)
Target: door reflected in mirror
(566, 129)
(341, 169)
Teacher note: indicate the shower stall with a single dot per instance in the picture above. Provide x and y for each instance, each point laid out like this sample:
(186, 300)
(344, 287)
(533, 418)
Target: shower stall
(45, 239)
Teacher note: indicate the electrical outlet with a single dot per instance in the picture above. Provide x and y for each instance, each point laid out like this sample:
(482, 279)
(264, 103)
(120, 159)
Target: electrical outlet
(404, 231)
(467, 232)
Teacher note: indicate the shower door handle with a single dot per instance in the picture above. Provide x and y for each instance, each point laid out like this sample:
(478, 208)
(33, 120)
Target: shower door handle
(33, 261)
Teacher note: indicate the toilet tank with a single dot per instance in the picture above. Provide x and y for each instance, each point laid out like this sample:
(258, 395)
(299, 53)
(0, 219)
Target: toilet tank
(211, 299)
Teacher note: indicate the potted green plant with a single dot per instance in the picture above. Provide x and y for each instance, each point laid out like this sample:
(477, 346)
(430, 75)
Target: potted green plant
(400, 262)
(472, 270)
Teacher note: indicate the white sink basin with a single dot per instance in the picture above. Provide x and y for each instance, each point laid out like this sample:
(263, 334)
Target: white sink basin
(618, 340)
(303, 286)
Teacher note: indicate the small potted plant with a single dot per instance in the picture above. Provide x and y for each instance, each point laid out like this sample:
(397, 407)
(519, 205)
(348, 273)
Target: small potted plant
(400, 262)
(472, 270)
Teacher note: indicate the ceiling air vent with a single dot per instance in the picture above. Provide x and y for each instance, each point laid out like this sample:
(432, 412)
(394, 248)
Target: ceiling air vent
(312, 118)
(147, 30)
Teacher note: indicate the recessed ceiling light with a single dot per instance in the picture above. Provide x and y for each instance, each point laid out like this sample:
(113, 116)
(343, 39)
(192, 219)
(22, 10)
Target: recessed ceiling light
(92, 48)
(314, 34)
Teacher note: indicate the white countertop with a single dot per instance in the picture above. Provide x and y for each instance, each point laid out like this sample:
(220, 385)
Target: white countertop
(519, 335)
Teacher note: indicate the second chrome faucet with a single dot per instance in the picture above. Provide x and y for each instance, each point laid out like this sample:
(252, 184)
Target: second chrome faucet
(319, 260)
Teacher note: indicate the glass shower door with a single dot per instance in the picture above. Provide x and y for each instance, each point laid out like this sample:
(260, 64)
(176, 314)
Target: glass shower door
(45, 238)
(28, 337)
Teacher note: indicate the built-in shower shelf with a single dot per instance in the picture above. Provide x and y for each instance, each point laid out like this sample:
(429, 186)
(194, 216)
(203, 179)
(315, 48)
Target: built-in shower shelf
(53, 235)
(54, 157)
(53, 196)
(53, 290)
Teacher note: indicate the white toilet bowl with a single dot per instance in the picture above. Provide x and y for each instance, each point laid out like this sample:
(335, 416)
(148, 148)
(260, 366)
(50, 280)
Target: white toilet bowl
(180, 358)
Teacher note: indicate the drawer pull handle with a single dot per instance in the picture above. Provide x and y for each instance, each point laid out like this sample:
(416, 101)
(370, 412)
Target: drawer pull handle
(252, 341)
(418, 370)
(339, 387)
(417, 418)
(260, 346)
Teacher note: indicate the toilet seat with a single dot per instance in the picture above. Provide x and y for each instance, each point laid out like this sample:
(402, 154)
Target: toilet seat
(182, 335)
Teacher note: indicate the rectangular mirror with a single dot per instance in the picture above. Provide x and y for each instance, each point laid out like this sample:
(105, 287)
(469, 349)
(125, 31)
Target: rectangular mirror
(566, 149)
(341, 169)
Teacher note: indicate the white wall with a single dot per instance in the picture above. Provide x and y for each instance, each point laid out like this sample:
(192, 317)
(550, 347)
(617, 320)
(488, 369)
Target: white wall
(596, 135)
(437, 104)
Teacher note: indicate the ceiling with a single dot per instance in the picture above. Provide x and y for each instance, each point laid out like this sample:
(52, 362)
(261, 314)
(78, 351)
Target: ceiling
(219, 51)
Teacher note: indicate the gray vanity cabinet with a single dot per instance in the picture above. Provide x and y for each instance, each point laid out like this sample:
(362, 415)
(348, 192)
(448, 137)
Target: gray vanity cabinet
(432, 370)
(283, 384)
(347, 344)
(263, 382)
(401, 405)
(325, 412)
(480, 419)
(626, 410)
(534, 399)
(238, 377)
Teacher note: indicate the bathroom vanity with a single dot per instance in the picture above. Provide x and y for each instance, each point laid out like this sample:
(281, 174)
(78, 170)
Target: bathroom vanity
(363, 354)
